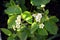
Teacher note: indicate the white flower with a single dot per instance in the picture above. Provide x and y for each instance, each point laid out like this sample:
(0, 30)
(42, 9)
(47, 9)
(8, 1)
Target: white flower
(42, 6)
(37, 19)
(37, 16)
(17, 26)
(34, 15)
(18, 22)
(18, 17)
(41, 25)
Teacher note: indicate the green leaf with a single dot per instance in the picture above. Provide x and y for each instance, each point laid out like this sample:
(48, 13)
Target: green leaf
(27, 17)
(22, 2)
(34, 27)
(11, 3)
(22, 35)
(54, 19)
(39, 2)
(12, 10)
(44, 18)
(12, 37)
(11, 21)
(6, 31)
(41, 37)
(23, 7)
(7, 4)
(42, 32)
(46, 12)
(51, 27)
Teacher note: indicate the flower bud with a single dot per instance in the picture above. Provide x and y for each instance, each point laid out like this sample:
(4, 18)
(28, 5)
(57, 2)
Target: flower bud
(42, 6)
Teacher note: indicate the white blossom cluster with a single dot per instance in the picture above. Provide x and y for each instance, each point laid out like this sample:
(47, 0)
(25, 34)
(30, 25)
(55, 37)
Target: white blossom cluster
(38, 17)
(18, 22)
(41, 25)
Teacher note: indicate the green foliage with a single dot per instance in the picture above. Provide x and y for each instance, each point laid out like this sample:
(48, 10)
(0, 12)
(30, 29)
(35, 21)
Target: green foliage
(34, 27)
(13, 10)
(22, 2)
(22, 35)
(54, 19)
(44, 18)
(42, 32)
(51, 27)
(11, 21)
(6, 31)
(22, 5)
(39, 2)
(11, 3)
(27, 17)
(22, 23)
(12, 37)
(46, 12)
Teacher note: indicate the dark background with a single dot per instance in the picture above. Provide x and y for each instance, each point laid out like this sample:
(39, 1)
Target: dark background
(53, 6)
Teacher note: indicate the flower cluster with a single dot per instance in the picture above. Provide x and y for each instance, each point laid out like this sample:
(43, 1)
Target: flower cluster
(41, 25)
(18, 22)
(38, 17)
